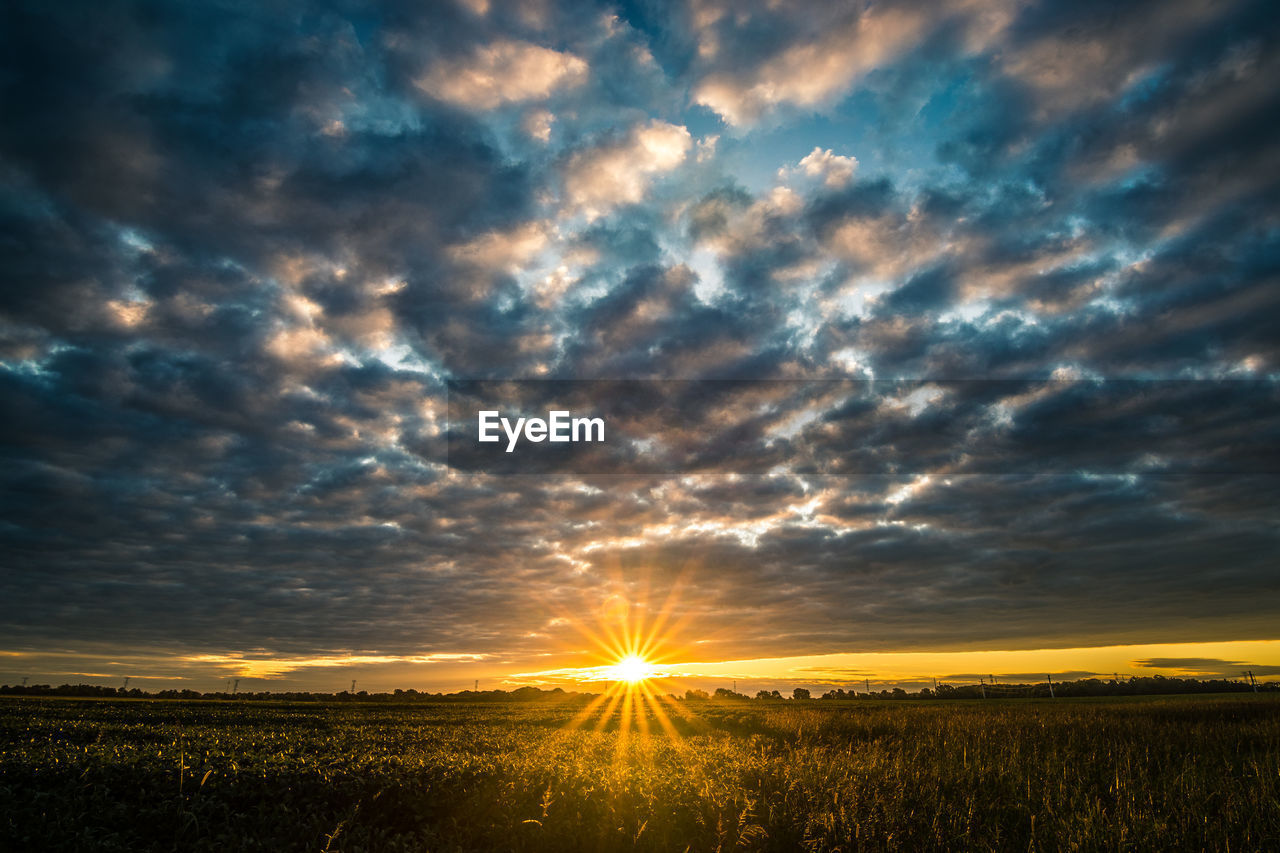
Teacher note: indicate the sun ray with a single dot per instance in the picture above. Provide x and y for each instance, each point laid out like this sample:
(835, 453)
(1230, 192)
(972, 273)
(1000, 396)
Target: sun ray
(659, 714)
(633, 648)
(618, 695)
(589, 711)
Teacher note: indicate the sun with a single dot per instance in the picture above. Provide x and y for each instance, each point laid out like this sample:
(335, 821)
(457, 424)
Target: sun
(632, 669)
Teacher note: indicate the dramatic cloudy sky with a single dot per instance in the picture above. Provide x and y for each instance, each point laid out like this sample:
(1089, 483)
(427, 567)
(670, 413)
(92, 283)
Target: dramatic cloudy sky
(244, 247)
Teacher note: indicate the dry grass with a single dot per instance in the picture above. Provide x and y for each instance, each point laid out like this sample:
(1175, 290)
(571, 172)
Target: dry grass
(1147, 774)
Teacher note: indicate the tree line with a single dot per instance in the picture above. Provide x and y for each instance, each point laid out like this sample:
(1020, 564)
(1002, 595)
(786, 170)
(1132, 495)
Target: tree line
(1136, 686)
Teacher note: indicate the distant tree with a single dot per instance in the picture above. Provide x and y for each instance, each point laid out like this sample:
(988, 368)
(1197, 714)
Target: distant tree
(696, 696)
(800, 693)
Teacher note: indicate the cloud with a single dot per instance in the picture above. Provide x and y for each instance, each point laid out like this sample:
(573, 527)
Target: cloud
(1208, 667)
(1100, 53)
(503, 250)
(834, 169)
(620, 171)
(245, 252)
(814, 72)
(538, 123)
(500, 73)
(274, 666)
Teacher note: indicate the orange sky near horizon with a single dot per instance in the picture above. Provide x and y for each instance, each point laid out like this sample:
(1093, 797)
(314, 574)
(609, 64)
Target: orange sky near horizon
(450, 673)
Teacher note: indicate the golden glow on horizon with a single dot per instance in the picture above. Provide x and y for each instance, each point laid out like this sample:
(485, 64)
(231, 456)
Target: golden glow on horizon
(625, 623)
(638, 649)
(674, 666)
(1227, 659)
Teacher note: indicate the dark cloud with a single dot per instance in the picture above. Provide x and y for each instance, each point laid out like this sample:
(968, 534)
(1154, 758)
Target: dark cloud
(1020, 677)
(1208, 667)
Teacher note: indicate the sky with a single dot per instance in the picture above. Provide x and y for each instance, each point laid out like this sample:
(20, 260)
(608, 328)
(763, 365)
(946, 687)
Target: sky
(988, 290)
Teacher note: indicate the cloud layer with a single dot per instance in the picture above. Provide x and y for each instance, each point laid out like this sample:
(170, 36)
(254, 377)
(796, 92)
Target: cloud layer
(245, 249)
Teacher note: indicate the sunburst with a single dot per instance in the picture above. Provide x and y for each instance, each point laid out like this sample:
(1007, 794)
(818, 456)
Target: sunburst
(635, 648)
(630, 648)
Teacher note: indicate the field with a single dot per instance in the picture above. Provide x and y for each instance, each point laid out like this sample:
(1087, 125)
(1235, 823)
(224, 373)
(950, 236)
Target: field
(1146, 774)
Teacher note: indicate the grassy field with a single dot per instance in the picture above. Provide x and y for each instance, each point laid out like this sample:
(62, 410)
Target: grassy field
(1147, 774)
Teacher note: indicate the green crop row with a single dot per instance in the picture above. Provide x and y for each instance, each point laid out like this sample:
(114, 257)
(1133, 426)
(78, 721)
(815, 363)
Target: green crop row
(1178, 773)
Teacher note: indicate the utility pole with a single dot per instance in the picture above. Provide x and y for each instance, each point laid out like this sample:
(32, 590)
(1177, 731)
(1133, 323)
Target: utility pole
(982, 685)
(235, 685)
(935, 684)
(125, 686)
(735, 685)
(1253, 681)
(867, 682)
(353, 687)
(1050, 678)
(476, 687)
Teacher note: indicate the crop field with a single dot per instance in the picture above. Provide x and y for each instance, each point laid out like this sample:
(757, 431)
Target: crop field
(1134, 774)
